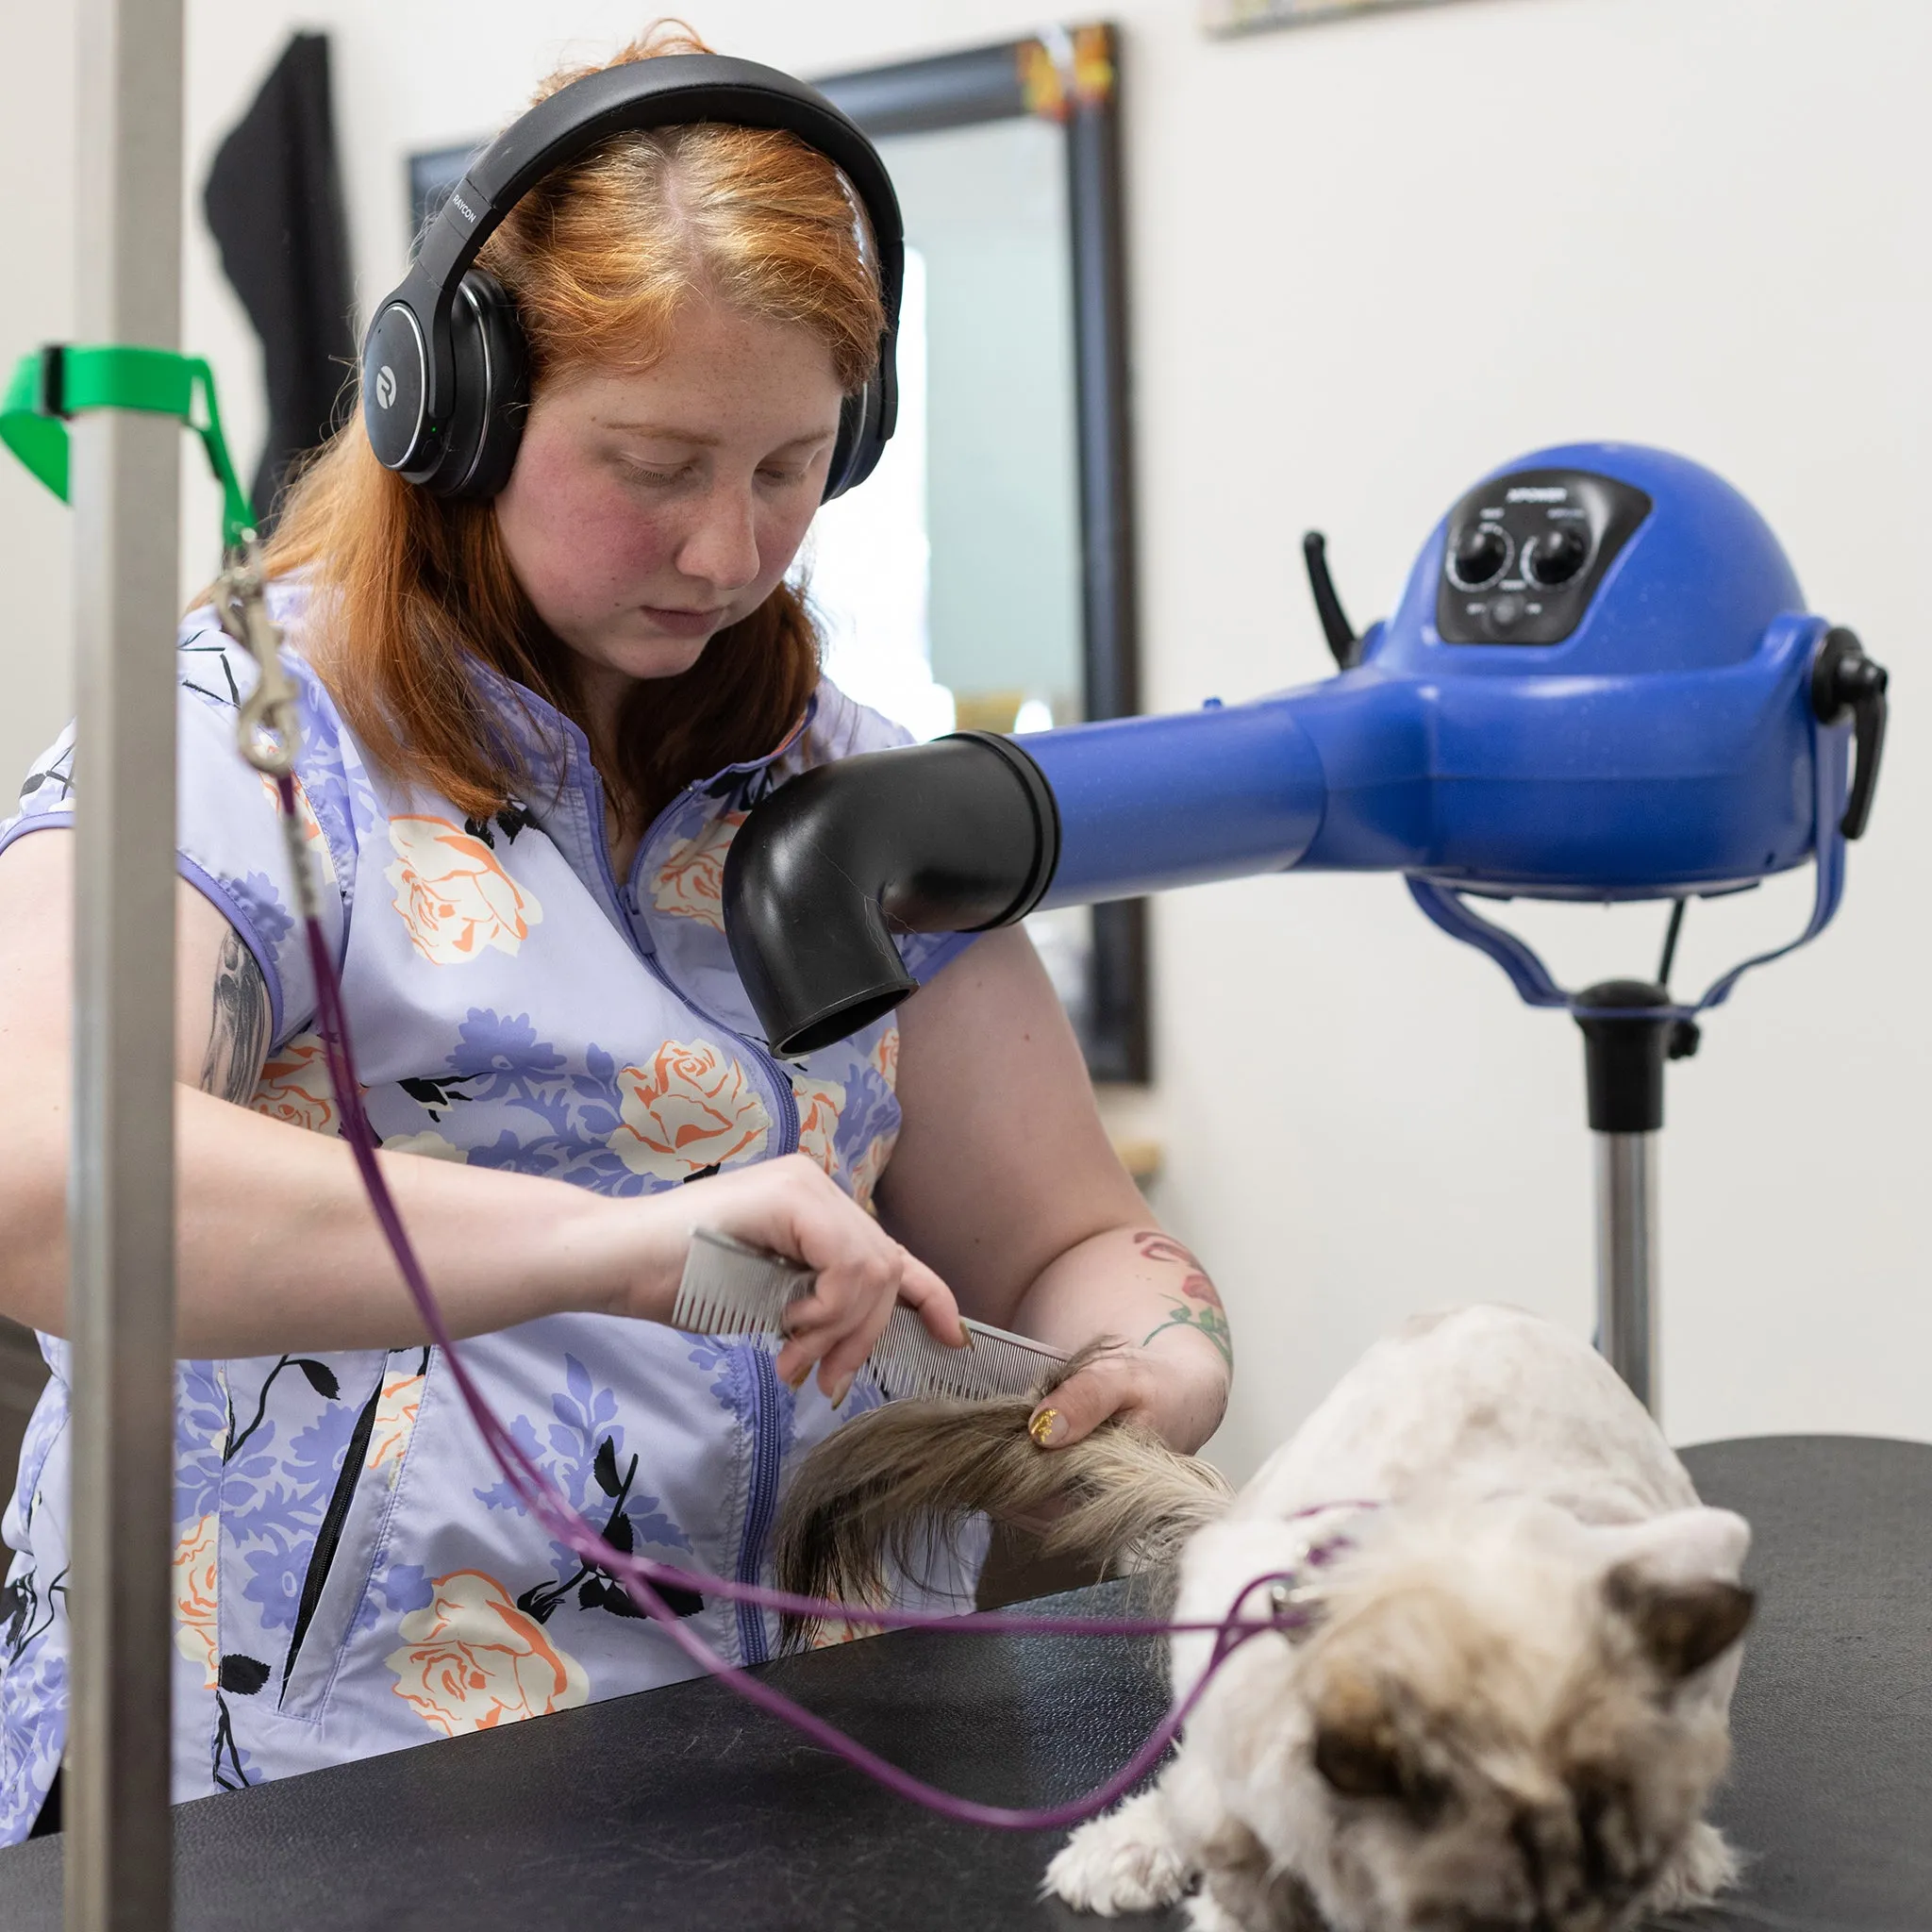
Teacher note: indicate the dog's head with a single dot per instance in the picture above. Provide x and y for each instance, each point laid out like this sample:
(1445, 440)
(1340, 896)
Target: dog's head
(1505, 1724)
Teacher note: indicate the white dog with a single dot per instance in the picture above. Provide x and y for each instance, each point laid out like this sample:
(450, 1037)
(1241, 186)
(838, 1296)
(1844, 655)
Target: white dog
(1510, 1703)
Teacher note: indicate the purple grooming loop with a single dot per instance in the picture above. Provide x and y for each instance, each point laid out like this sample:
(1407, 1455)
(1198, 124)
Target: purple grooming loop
(642, 1577)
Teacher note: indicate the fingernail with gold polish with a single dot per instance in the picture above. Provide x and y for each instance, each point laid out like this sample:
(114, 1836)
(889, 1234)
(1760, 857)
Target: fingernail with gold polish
(842, 1388)
(795, 1381)
(1047, 1428)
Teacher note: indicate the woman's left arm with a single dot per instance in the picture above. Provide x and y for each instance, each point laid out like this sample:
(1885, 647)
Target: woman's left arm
(1005, 1182)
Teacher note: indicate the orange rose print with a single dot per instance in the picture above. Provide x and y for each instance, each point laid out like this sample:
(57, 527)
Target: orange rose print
(690, 882)
(471, 1660)
(453, 895)
(690, 1109)
(884, 1057)
(195, 1597)
(395, 1421)
(819, 1104)
(294, 1086)
(870, 1165)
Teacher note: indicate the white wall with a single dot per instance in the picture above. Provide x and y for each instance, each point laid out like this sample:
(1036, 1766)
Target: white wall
(36, 306)
(1713, 216)
(230, 46)
(1711, 233)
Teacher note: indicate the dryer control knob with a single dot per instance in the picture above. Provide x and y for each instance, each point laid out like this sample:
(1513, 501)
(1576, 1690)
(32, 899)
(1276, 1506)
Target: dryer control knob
(1556, 557)
(1479, 557)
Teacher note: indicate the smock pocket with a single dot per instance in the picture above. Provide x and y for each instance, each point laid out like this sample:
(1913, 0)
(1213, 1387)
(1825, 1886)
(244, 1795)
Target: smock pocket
(351, 1534)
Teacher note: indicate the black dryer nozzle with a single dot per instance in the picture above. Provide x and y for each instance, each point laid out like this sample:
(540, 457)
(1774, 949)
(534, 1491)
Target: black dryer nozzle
(954, 836)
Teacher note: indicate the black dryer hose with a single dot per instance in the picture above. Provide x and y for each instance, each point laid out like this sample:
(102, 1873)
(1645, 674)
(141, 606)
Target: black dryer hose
(954, 836)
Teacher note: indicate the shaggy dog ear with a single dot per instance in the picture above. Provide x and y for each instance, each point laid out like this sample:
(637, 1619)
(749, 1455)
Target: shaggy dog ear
(1681, 1626)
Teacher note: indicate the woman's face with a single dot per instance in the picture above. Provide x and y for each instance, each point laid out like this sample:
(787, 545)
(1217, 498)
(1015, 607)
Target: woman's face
(646, 512)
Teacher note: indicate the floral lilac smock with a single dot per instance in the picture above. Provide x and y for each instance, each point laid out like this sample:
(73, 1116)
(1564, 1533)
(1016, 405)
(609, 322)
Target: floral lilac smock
(350, 1574)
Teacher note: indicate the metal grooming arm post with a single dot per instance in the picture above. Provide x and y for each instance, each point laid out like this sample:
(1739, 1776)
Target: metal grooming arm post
(1624, 1062)
(1626, 1310)
(120, 1296)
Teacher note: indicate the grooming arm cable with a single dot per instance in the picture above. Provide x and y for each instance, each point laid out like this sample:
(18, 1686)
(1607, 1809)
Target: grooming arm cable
(52, 384)
(1288, 1609)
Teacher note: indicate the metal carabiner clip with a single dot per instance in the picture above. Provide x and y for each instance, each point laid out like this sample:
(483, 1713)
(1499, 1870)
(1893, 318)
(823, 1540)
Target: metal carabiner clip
(267, 732)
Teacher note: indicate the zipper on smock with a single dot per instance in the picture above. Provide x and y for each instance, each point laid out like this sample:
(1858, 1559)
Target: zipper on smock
(761, 1498)
(766, 1422)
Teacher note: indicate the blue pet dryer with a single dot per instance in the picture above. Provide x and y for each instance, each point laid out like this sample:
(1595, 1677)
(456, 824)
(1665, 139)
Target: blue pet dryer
(1600, 683)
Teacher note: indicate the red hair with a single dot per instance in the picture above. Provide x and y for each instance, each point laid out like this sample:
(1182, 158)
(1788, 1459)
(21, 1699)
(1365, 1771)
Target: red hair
(407, 588)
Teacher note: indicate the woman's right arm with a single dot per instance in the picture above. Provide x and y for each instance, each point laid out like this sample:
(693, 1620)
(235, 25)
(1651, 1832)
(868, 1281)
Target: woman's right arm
(276, 1248)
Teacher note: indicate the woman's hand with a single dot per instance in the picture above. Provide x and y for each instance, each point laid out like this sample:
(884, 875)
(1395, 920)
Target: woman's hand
(1174, 1380)
(1177, 1385)
(1004, 1175)
(793, 1208)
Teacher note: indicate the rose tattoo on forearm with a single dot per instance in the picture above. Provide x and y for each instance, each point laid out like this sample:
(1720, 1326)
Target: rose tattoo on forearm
(1198, 1305)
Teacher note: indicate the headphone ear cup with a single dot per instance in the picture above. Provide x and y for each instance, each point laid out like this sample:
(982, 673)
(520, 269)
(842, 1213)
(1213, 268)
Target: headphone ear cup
(856, 454)
(866, 422)
(492, 390)
(395, 384)
(837, 472)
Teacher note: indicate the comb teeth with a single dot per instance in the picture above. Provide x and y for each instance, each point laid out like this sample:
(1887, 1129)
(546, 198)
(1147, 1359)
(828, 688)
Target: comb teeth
(732, 1288)
(905, 1360)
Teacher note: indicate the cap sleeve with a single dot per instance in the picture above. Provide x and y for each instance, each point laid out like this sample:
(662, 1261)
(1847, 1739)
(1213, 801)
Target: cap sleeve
(229, 843)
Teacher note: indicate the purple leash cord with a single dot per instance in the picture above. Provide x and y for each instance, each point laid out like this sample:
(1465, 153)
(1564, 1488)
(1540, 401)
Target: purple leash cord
(640, 1576)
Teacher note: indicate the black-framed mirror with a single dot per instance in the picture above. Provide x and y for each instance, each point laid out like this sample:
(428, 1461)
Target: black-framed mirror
(984, 575)
(1007, 159)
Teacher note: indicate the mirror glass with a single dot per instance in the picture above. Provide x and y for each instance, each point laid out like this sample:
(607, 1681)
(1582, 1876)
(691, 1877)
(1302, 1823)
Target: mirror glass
(957, 565)
(949, 585)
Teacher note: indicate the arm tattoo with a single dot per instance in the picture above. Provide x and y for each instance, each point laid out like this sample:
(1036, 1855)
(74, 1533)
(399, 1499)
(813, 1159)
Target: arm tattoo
(239, 1027)
(1198, 1305)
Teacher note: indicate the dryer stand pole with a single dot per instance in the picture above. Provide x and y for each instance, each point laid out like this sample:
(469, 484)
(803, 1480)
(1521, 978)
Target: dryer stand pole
(1624, 1060)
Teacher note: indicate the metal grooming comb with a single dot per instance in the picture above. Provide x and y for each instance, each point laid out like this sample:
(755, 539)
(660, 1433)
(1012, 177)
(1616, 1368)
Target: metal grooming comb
(732, 1288)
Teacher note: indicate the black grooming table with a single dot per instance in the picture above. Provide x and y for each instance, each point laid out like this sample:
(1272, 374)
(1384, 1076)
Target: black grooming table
(683, 1809)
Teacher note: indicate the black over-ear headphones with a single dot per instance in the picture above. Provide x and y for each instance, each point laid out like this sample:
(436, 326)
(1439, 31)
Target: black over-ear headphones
(444, 370)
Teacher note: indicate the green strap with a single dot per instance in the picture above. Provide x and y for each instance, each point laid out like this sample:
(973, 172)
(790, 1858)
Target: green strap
(59, 381)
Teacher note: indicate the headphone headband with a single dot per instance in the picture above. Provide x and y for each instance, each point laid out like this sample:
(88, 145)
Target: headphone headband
(410, 379)
(618, 100)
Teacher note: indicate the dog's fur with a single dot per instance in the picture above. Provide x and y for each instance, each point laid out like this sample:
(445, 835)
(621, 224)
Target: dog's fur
(1513, 1704)
(868, 1502)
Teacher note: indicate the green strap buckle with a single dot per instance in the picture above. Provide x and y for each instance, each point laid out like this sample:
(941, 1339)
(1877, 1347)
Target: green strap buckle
(51, 383)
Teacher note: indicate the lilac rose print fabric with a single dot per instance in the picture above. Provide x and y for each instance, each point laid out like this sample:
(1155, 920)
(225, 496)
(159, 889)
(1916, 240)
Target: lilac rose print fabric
(350, 1574)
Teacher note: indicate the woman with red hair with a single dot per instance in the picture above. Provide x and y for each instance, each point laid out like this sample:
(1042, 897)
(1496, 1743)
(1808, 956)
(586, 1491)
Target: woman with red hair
(531, 725)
